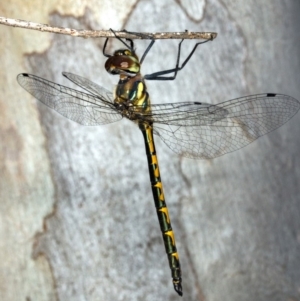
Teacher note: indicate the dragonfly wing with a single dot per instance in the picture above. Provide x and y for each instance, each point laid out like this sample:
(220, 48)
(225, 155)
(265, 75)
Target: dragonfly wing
(78, 106)
(90, 86)
(186, 113)
(244, 120)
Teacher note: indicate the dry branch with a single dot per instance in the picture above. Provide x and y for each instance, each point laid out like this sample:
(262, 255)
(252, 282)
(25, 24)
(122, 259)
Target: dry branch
(106, 33)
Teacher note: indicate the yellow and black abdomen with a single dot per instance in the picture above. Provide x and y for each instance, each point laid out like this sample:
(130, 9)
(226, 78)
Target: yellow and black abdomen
(161, 207)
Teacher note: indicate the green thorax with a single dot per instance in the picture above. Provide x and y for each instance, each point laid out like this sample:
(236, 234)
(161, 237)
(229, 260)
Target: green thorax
(133, 91)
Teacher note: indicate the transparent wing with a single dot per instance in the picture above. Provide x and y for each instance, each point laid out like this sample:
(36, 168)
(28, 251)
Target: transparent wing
(186, 113)
(78, 106)
(89, 86)
(208, 131)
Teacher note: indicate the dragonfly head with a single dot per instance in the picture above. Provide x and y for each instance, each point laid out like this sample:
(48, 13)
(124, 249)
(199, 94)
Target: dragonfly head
(123, 62)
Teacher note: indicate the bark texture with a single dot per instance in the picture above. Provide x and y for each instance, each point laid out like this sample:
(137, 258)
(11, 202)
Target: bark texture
(77, 216)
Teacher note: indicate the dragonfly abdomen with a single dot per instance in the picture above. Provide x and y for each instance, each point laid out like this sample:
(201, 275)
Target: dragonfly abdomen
(161, 207)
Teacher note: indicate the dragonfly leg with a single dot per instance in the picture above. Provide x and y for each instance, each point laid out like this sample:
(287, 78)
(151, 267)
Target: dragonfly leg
(131, 46)
(159, 75)
(104, 46)
(142, 35)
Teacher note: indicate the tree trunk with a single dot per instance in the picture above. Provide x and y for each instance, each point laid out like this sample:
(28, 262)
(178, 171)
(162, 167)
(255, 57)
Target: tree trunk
(77, 216)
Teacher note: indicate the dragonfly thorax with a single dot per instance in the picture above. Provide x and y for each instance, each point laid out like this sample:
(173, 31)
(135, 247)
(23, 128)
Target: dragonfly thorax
(131, 93)
(123, 62)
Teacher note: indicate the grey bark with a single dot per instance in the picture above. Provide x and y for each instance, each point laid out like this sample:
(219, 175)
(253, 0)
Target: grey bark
(79, 199)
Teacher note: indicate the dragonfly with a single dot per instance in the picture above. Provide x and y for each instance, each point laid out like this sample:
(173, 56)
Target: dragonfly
(193, 129)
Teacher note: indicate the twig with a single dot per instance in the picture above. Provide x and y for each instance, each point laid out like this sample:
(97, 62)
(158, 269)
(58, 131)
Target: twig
(106, 33)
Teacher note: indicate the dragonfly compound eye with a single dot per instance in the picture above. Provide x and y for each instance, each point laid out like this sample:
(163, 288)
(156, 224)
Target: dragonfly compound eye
(122, 64)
